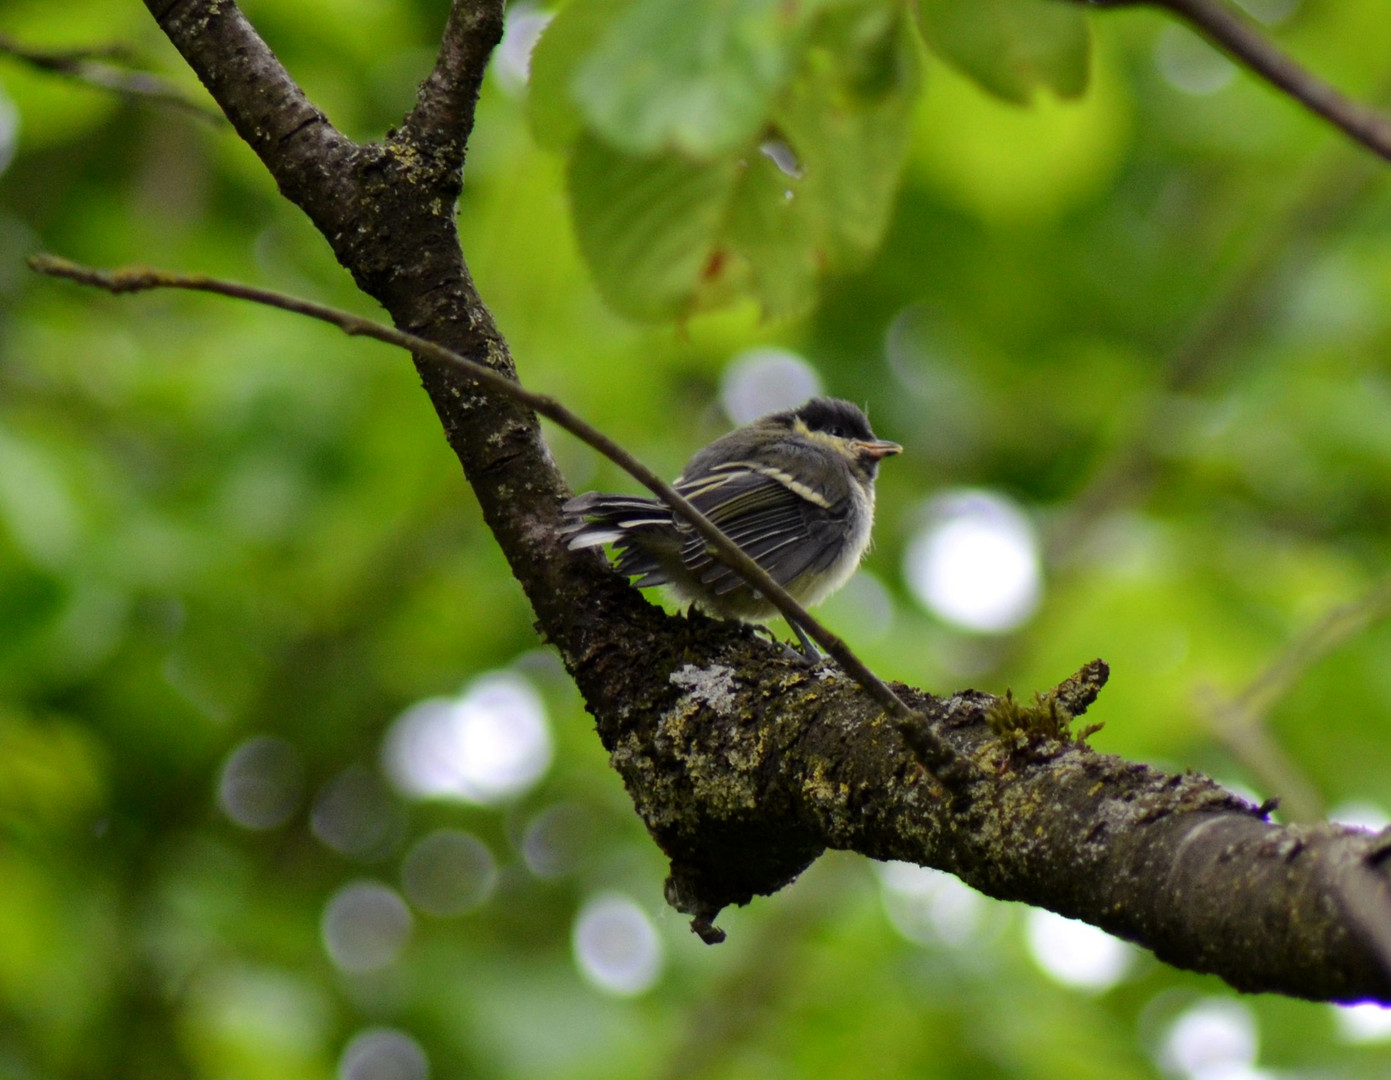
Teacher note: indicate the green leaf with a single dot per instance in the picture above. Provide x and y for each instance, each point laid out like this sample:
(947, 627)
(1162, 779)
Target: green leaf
(647, 225)
(772, 239)
(847, 115)
(556, 119)
(695, 76)
(1011, 47)
(667, 237)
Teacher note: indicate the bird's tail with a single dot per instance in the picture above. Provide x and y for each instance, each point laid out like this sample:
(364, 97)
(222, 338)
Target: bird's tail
(634, 525)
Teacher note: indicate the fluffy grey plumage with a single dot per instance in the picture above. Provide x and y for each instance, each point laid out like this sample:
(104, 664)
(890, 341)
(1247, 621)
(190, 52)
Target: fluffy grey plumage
(795, 490)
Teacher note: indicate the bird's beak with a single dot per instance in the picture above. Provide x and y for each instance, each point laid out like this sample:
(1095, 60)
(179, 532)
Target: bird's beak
(877, 449)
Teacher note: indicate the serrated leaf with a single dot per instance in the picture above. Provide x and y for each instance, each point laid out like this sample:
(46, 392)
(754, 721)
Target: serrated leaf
(1011, 47)
(647, 226)
(667, 237)
(847, 117)
(695, 76)
(556, 119)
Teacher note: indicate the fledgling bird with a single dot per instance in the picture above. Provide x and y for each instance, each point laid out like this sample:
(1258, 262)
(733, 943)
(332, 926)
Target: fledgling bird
(794, 490)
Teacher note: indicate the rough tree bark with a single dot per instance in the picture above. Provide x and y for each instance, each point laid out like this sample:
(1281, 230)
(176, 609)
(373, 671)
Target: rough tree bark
(746, 766)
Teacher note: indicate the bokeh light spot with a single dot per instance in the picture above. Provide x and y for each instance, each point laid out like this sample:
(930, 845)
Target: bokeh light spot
(1364, 1023)
(929, 906)
(932, 365)
(1190, 64)
(261, 784)
(759, 381)
(975, 562)
(365, 926)
(488, 745)
(1074, 953)
(356, 815)
(448, 873)
(38, 508)
(266, 1016)
(383, 1054)
(1364, 815)
(616, 947)
(863, 610)
(557, 840)
(1331, 299)
(1214, 1039)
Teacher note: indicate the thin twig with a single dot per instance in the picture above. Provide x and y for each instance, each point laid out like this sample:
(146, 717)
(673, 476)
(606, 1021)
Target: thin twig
(1248, 738)
(1229, 29)
(93, 67)
(1240, 724)
(934, 753)
(1232, 32)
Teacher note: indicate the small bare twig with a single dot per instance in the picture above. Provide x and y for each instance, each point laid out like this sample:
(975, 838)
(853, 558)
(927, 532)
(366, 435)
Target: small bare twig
(1337, 627)
(97, 66)
(931, 749)
(1249, 740)
(1226, 27)
(1232, 32)
(1240, 724)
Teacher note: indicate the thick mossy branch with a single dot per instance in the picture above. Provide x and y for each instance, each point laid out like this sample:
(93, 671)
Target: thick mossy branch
(743, 765)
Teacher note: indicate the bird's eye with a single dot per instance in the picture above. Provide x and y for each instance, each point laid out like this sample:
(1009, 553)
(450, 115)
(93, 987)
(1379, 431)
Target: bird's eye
(836, 431)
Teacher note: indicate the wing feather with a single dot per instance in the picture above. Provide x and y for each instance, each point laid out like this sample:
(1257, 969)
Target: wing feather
(768, 514)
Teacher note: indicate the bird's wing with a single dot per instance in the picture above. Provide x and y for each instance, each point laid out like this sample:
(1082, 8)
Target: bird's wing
(785, 526)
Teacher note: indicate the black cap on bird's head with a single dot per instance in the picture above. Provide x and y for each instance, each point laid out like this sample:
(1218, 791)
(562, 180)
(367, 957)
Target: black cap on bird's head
(834, 417)
(837, 419)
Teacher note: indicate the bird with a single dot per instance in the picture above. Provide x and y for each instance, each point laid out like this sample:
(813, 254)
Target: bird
(793, 489)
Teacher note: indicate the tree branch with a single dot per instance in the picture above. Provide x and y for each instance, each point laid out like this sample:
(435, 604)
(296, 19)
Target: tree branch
(933, 752)
(92, 67)
(387, 211)
(442, 118)
(1240, 724)
(1235, 34)
(743, 765)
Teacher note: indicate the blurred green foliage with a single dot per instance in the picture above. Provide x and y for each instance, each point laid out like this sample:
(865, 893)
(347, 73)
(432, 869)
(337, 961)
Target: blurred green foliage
(219, 523)
(1012, 47)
